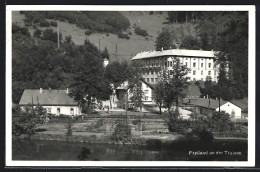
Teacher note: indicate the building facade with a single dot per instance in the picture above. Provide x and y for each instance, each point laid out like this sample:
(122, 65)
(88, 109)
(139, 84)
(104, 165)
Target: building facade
(147, 90)
(202, 64)
(54, 101)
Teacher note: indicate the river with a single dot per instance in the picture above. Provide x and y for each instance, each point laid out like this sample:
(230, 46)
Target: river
(41, 150)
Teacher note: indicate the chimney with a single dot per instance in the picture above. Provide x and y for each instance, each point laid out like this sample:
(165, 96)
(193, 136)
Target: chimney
(41, 91)
(204, 97)
(67, 92)
(170, 47)
(207, 96)
(162, 49)
(209, 102)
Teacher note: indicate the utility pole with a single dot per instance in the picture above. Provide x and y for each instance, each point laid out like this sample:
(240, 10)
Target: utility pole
(126, 102)
(116, 52)
(58, 30)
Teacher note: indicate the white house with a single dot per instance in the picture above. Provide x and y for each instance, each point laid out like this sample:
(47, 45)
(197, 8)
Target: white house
(54, 101)
(147, 90)
(208, 106)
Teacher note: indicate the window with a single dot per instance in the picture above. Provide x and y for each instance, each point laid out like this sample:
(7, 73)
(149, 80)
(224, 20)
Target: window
(209, 73)
(209, 65)
(186, 64)
(72, 111)
(49, 110)
(146, 97)
(194, 64)
(201, 64)
(233, 113)
(156, 79)
(202, 72)
(170, 64)
(152, 80)
(148, 80)
(194, 72)
(146, 91)
(152, 72)
(214, 72)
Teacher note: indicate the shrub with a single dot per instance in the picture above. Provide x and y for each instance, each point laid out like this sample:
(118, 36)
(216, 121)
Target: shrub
(37, 33)
(44, 23)
(69, 128)
(136, 122)
(53, 23)
(122, 35)
(141, 32)
(88, 32)
(122, 133)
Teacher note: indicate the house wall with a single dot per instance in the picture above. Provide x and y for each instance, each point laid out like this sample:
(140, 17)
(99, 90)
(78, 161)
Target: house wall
(65, 110)
(203, 110)
(147, 93)
(229, 108)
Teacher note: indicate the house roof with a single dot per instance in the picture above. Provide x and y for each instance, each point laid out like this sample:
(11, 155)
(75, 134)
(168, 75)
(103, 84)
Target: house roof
(47, 97)
(175, 52)
(208, 103)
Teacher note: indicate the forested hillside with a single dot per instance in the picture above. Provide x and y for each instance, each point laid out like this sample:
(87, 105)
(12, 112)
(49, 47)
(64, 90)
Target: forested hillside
(37, 62)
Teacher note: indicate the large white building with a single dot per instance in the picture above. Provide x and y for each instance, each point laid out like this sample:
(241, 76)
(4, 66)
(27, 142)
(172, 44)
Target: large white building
(201, 63)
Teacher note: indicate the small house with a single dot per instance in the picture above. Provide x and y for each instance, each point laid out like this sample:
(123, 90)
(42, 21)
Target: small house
(54, 101)
(147, 90)
(206, 106)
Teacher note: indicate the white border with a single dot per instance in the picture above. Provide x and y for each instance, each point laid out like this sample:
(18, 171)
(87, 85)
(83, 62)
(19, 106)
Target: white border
(251, 84)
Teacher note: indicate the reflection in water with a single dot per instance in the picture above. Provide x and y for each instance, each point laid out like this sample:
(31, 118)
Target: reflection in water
(85, 152)
(68, 151)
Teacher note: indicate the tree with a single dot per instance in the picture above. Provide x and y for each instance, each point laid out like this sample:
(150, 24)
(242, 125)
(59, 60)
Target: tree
(159, 94)
(189, 42)
(116, 72)
(88, 80)
(164, 40)
(135, 71)
(175, 83)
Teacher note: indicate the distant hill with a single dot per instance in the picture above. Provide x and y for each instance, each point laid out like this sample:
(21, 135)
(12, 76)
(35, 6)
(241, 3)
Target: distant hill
(126, 48)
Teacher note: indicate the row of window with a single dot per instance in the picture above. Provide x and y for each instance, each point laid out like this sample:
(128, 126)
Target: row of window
(194, 72)
(152, 79)
(194, 64)
(58, 111)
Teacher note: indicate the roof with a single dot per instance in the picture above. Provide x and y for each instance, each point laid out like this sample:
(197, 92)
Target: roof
(175, 52)
(208, 103)
(47, 97)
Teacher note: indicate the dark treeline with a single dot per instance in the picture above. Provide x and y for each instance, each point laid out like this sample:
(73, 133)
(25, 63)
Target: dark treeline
(97, 21)
(38, 63)
(225, 32)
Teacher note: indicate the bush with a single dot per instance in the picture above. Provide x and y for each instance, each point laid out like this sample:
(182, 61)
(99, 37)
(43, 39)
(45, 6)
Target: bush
(53, 23)
(136, 122)
(141, 32)
(37, 33)
(122, 35)
(88, 32)
(44, 23)
(122, 133)
(69, 128)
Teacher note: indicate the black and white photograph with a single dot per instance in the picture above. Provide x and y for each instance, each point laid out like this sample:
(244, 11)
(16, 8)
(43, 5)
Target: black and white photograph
(145, 86)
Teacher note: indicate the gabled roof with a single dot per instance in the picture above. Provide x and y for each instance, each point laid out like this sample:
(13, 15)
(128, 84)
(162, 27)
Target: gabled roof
(47, 98)
(208, 103)
(175, 52)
